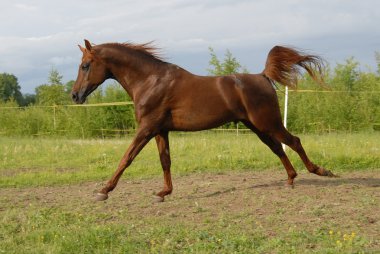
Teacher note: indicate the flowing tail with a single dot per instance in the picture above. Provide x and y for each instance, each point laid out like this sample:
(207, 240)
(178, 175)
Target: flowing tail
(284, 66)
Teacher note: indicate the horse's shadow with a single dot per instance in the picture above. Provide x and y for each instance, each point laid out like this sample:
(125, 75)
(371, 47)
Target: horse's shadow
(317, 182)
(325, 182)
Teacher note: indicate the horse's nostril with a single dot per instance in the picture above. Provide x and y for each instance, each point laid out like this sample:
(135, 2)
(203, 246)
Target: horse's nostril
(74, 96)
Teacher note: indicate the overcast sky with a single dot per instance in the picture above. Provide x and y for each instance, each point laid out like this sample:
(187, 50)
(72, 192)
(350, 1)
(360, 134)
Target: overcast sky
(36, 36)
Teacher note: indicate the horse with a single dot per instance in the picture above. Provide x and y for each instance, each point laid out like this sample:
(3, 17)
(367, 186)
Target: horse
(169, 98)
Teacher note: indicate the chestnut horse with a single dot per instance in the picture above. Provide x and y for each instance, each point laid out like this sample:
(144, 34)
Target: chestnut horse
(169, 98)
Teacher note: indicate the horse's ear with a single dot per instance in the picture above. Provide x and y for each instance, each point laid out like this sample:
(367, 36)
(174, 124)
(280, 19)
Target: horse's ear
(88, 45)
(81, 48)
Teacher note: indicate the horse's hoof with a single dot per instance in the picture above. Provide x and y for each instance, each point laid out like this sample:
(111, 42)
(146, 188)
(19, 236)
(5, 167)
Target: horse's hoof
(101, 196)
(158, 199)
(330, 174)
(289, 186)
(290, 183)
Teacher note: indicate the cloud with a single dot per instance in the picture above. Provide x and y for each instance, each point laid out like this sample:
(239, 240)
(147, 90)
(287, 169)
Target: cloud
(62, 60)
(25, 7)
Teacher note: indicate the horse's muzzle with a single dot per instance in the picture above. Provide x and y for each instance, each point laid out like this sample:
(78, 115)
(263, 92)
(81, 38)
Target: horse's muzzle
(77, 98)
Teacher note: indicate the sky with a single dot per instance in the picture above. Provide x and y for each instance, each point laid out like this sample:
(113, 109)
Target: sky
(36, 36)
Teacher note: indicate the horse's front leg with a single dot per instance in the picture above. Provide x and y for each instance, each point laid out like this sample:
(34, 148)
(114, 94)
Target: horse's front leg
(141, 139)
(162, 141)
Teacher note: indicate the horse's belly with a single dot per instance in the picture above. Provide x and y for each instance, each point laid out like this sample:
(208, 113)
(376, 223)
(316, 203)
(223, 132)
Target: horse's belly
(195, 121)
(207, 106)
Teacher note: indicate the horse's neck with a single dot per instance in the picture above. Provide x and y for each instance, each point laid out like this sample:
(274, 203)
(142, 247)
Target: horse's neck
(133, 79)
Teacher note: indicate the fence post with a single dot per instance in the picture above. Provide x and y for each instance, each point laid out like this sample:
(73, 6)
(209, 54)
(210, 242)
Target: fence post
(54, 117)
(285, 111)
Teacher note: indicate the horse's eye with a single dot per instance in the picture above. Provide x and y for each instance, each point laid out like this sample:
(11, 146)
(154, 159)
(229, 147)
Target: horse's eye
(85, 66)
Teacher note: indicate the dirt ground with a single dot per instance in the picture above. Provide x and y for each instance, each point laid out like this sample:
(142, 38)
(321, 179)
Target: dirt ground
(350, 203)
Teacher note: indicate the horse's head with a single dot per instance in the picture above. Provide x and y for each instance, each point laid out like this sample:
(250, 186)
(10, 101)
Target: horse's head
(92, 72)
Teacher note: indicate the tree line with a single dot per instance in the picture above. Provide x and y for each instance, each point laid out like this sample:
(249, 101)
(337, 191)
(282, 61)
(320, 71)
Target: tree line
(54, 92)
(351, 104)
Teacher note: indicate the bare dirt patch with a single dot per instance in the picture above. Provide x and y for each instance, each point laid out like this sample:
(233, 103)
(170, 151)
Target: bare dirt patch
(350, 203)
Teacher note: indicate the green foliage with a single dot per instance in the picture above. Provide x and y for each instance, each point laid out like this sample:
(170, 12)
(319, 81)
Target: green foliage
(9, 88)
(53, 93)
(377, 57)
(69, 86)
(346, 75)
(29, 99)
(54, 77)
(49, 95)
(111, 93)
(352, 104)
(84, 122)
(229, 65)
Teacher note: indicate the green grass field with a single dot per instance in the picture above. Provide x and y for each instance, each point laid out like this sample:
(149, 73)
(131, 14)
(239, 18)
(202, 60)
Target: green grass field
(46, 203)
(42, 162)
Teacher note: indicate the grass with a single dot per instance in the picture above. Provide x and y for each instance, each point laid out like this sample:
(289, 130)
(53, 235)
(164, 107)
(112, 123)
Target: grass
(53, 230)
(33, 224)
(43, 162)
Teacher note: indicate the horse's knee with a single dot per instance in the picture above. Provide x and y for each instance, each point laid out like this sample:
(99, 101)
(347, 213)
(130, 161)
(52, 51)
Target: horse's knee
(278, 150)
(295, 143)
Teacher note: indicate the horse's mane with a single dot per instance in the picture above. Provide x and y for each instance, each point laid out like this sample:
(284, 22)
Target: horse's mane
(148, 49)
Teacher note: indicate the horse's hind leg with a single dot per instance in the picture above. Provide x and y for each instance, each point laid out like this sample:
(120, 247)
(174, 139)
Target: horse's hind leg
(162, 141)
(277, 149)
(283, 136)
